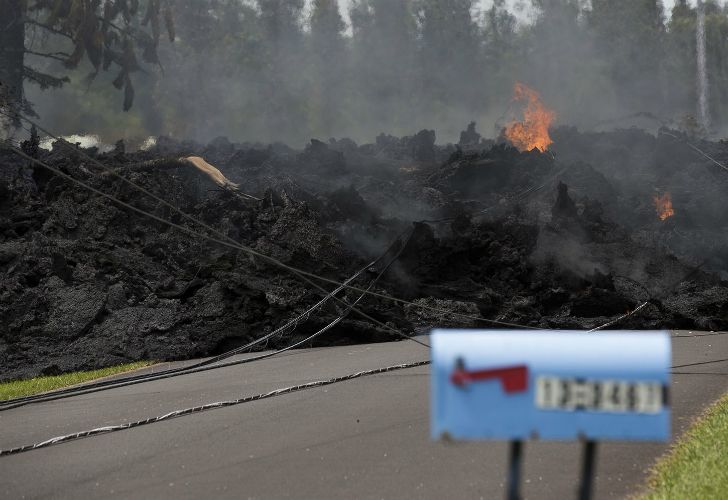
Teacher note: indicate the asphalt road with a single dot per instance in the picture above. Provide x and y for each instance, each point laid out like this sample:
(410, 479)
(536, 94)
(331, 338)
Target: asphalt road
(365, 438)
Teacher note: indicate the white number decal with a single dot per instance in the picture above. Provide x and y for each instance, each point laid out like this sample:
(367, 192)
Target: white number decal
(614, 396)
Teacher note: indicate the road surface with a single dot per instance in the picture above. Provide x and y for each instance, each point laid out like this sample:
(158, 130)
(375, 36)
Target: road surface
(364, 438)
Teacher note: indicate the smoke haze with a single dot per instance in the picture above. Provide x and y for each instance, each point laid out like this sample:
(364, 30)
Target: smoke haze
(274, 70)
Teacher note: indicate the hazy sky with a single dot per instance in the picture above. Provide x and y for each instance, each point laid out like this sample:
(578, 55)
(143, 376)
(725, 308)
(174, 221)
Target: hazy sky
(518, 7)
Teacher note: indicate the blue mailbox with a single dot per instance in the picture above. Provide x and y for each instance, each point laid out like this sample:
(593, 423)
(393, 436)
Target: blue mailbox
(560, 385)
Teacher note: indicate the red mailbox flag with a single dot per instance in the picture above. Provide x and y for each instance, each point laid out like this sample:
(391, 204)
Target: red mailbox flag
(513, 378)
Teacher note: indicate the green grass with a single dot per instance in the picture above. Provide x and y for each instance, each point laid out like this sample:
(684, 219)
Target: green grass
(697, 465)
(20, 388)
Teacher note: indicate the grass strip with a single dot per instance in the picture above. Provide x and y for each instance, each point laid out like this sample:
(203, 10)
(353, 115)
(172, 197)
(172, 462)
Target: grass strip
(20, 388)
(696, 466)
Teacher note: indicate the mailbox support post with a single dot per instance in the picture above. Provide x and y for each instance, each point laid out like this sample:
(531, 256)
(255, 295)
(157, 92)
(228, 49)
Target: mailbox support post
(587, 470)
(515, 459)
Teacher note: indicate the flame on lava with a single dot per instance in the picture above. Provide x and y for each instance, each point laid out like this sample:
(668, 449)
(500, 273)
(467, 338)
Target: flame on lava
(663, 205)
(533, 131)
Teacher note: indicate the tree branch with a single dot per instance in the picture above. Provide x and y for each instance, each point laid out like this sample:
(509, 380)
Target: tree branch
(58, 56)
(28, 20)
(43, 80)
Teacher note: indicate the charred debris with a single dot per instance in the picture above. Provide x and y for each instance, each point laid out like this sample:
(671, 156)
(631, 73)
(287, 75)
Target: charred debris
(571, 237)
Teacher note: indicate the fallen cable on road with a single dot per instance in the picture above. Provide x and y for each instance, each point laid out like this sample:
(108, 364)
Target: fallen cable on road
(617, 320)
(209, 364)
(110, 384)
(696, 335)
(209, 406)
(641, 306)
(227, 241)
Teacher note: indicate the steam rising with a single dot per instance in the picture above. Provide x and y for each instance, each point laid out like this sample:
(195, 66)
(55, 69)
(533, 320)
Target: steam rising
(703, 111)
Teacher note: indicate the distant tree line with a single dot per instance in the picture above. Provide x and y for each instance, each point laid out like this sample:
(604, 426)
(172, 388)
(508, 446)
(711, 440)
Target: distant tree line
(288, 70)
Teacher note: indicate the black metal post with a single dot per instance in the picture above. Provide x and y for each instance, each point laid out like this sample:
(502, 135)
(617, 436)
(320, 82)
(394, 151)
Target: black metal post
(588, 465)
(514, 470)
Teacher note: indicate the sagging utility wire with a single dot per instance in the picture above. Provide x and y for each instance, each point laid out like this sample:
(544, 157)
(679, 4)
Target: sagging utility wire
(694, 148)
(201, 366)
(191, 369)
(208, 364)
(662, 131)
(227, 241)
(286, 328)
(300, 273)
(241, 247)
(209, 406)
(232, 243)
(194, 368)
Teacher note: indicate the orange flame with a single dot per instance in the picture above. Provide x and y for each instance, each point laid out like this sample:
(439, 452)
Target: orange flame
(533, 131)
(663, 205)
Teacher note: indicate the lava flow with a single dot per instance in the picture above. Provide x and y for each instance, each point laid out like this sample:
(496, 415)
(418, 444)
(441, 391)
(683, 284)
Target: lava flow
(533, 131)
(663, 205)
